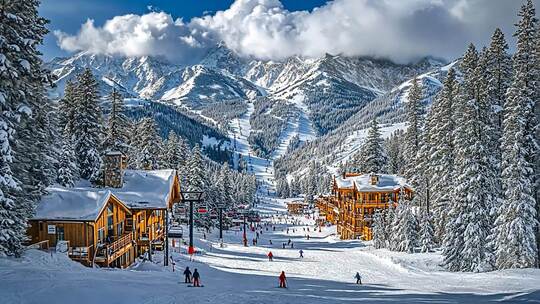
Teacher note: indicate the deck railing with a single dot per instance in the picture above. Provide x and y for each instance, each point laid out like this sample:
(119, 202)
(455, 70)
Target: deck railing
(80, 253)
(43, 245)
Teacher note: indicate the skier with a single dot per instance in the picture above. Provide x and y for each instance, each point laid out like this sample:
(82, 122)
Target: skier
(289, 242)
(308, 236)
(301, 253)
(270, 241)
(270, 256)
(187, 275)
(292, 245)
(283, 245)
(282, 280)
(358, 278)
(196, 278)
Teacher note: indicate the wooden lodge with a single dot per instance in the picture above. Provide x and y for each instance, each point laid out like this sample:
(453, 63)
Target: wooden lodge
(297, 207)
(112, 225)
(358, 196)
(328, 210)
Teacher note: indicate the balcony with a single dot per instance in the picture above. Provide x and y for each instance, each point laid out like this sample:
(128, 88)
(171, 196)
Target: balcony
(108, 253)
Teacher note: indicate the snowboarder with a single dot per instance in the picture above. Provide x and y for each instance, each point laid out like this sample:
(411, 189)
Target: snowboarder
(270, 256)
(196, 278)
(301, 253)
(187, 275)
(358, 278)
(282, 280)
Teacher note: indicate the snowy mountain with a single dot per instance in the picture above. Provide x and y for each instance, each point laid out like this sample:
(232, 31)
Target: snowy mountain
(296, 97)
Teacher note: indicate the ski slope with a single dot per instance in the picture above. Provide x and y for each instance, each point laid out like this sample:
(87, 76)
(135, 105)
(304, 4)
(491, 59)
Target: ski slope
(238, 274)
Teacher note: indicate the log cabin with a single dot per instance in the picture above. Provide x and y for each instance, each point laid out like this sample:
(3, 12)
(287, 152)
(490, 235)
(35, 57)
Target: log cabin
(358, 196)
(136, 202)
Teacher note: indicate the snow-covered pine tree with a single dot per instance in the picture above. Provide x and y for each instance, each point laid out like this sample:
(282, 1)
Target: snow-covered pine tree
(374, 155)
(118, 126)
(406, 234)
(379, 230)
(393, 146)
(224, 187)
(67, 166)
(148, 145)
(413, 135)
(537, 156)
(426, 231)
(441, 153)
(22, 99)
(389, 218)
(66, 109)
(196, 178)
(87, 127)
(515, 226)
(467, 243)
(173, 156)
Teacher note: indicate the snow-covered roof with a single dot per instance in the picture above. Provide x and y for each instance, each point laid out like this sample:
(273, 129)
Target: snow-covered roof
(362, 183)
(141, 190)
(78, 203)
(146, 189)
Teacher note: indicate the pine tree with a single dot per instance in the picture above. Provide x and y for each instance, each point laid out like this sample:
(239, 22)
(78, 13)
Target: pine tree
(426, 232)
(22, 101)
(148, 145)
(413, 140)
(406, 235)
(67, 108)
(389, 225)
(224, 187)
(374, 156)
(118, 125)
(393, 146)
(195, 171)
(441, 153)
(515, 226)
(67, 170)
(379, 230)
(474, 179)
(87, 127)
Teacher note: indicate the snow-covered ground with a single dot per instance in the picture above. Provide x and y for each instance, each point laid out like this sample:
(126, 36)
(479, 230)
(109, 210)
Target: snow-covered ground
(238, 274)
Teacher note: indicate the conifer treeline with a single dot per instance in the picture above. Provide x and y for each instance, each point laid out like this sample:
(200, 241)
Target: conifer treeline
(474, 161)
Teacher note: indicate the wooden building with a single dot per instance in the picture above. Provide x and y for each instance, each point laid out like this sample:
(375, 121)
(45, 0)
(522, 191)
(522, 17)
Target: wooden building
(327, 206)
(297, 207)
(358, 196)
(91, 222)
(112, 225)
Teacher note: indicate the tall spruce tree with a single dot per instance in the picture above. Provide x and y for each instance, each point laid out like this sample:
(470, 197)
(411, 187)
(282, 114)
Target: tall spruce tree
(413, 135)
(67, 166)
(67, 107)
(148, 145)
(87, 125)
(118, 126)
(379, 230)
(426, 232)
(474, 179)
(22, 104)
(441, 152)
(196, 177)
(374, 155)
(515, 226)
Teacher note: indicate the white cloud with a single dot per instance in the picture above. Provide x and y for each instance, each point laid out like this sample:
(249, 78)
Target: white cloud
(401, 30)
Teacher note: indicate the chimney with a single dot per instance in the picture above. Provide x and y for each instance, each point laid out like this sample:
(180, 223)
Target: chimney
(374, 179)
(115, 164)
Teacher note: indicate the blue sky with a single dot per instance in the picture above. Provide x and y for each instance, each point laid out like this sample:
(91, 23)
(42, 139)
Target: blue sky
(68, 15)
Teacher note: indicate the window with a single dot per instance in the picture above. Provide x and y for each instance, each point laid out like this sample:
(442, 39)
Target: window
(101, 235)
(59, 233)
(110, 225)
(120, 228)
(110, 208)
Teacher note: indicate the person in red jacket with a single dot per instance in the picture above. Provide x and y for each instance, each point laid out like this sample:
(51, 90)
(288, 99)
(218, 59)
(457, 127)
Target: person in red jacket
(270, 256)
(282, 280)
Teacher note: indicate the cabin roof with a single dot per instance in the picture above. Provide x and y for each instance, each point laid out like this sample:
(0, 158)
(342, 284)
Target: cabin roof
(146, 189)
(79, 203)
(362, 183)
(141, 190)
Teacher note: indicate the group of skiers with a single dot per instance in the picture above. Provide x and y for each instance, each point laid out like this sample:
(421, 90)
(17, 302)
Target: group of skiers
(188, 276)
